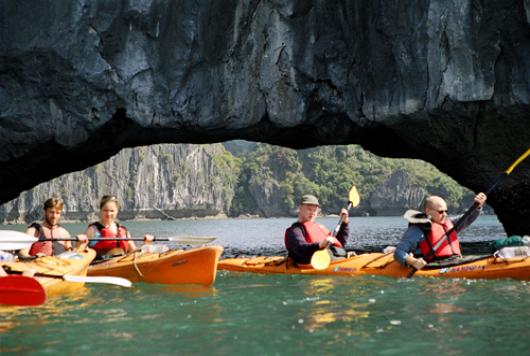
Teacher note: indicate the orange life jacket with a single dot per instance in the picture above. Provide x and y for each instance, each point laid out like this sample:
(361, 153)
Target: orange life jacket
(450, 247)
(49, 248)
(313, 233)
(102, 247)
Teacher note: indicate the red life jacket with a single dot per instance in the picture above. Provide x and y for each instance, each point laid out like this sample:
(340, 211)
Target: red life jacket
(49, 248)
(102, 247)
(450, 247)
(313, 233)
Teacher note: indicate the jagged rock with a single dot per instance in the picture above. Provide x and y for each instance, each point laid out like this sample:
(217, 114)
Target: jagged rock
(157, 182)
(443, 81)
(395, 195)
(268, 198)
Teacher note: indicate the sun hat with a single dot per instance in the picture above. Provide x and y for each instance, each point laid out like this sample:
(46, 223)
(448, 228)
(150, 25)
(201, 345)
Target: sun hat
(309, 199)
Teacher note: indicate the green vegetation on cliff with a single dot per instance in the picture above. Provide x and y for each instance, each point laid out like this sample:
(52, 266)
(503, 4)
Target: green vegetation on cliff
(328, 172)
(241, 178)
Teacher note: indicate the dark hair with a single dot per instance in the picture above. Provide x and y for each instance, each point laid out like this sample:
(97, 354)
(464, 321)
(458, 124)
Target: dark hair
(53, 203)
(106, 199)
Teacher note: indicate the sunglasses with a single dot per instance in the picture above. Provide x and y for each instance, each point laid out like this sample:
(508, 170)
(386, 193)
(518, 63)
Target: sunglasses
(439, 211)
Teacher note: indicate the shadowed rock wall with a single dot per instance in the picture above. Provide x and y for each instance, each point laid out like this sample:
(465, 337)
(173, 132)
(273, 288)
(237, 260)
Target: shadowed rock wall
(444, 81)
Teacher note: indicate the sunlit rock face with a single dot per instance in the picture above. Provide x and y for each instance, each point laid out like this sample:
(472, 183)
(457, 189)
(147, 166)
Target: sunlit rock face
(444, 81)
(153, 182)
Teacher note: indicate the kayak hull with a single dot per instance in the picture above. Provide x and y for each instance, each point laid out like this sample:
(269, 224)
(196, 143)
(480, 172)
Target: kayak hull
(70, 263)
(194, 266)
(384, 265)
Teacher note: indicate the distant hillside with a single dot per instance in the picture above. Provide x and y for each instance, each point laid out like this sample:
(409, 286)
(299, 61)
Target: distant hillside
(273, 179)
(239, 178)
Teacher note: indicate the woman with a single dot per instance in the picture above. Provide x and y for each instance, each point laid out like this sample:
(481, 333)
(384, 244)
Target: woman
(107, 228)
(49, 229)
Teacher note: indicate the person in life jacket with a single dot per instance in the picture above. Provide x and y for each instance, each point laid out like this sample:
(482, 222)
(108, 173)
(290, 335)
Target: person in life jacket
(305, 236)
(103, 231)
(49, 229)
(425, 229)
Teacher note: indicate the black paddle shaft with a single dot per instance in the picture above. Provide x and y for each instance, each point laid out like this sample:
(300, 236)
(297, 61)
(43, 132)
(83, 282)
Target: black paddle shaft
(337, 228)
(37, 274)
(103, 239)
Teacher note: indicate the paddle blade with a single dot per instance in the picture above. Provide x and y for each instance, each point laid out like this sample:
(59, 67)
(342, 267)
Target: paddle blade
(517, 161)
(189, 240)
(354, 197)
(108, 280)
(321, 259)
(15, 240)
(21, 290)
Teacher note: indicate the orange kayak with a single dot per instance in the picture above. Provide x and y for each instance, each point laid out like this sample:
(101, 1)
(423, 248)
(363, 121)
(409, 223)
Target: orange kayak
(384, 265)
(68, 263)
(194, 266)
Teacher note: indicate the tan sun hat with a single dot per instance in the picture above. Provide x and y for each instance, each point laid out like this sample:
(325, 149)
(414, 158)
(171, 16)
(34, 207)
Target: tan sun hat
(310, 200)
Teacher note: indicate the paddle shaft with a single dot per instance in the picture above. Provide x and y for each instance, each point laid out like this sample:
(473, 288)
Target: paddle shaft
(37, 274)
(73, 239)
(78, 279)
(337, 228)
(321, 258)
(469, 211)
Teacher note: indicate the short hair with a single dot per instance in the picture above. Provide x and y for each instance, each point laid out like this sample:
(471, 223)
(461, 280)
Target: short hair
(106, 199)
(53, 203)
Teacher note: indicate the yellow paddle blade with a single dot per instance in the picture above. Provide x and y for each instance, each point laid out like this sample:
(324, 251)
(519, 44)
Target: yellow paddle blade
(321, 259)
(353, 197)
(519, 160)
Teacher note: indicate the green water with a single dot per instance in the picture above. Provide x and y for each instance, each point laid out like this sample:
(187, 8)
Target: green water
(248, 314)
(286, 315)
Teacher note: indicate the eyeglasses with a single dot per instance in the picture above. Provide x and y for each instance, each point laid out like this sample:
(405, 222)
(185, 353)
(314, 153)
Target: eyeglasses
(440, 211)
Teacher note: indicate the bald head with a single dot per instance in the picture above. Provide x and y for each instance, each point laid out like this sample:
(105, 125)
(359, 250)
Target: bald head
(436, 209)
(433, 201)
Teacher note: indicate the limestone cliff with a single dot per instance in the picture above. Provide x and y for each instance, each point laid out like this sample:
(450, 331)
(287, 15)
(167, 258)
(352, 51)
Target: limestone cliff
(160, 181)
(395, 195)
(446, 81)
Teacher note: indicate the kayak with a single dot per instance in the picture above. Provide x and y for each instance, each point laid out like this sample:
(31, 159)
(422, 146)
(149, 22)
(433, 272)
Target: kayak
(478, 266)
(67, 263)
(194, 266)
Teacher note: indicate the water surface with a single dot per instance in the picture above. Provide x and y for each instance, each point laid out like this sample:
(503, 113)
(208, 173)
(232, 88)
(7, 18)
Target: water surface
(248, 314)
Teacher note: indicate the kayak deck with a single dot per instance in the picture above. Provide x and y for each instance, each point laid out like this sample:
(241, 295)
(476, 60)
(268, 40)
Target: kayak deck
(70, 263)
(194, 266)
(384, 265)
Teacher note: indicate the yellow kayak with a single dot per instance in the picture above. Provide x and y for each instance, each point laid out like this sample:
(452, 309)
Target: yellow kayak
(194, 266)
(68, 263)
(384, 265)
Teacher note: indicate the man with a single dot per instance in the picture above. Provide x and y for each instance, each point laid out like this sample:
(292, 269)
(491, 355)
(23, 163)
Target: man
(416, 248)
(50, 229)
(305, 236)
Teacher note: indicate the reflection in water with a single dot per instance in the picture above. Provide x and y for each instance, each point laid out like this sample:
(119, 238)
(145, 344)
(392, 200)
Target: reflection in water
(50, 310)
(324, 311)
(191, 291)
(446, 308)
(444, 294)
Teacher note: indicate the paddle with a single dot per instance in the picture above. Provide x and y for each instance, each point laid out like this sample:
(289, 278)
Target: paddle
(322, 258)
(79, 279)
(466, 215)
(21, 290)
(16, 240)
